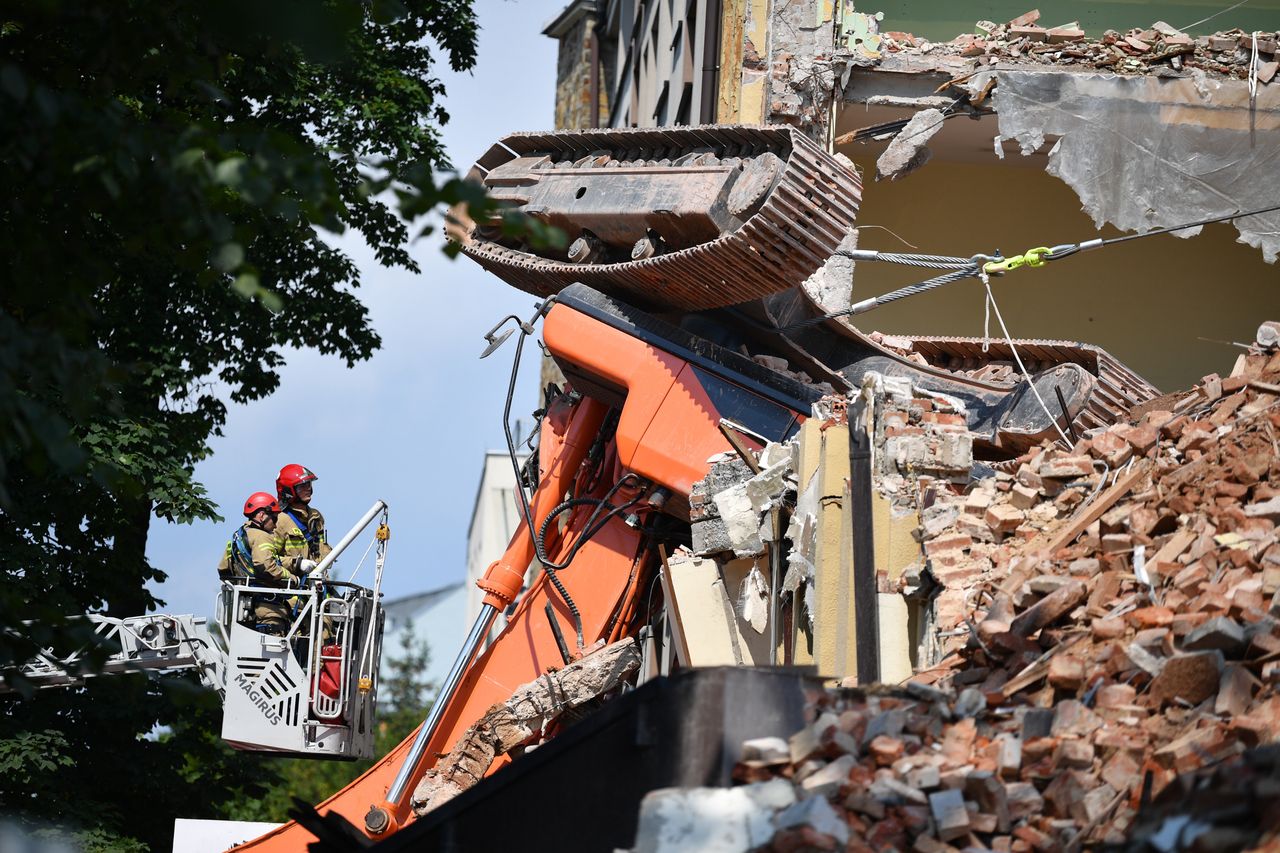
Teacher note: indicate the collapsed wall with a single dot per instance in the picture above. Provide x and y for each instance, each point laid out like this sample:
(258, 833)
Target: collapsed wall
(1085, 623)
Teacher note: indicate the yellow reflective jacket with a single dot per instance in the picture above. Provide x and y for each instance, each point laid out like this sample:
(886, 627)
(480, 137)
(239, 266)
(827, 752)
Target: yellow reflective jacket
(255, 554)
(301, 531)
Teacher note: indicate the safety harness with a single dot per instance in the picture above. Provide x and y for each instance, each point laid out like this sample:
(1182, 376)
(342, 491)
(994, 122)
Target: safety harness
(242, 554)
(311, 537)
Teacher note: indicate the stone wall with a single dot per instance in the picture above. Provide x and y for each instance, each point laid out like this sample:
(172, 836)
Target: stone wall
(573, 78)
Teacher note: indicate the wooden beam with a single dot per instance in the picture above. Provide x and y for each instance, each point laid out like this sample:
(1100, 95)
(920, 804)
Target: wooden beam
(1092, 511)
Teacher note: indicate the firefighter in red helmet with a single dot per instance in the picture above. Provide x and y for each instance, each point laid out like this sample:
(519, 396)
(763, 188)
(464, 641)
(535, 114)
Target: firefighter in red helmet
(254, 555)
(301, 526)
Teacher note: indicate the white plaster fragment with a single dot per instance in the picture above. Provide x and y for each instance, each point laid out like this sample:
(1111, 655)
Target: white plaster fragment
(770, 796)
(773, 749)
(700, 820)
(740, 520)
(775, 453)
(766, 487)
(815, 812)
(753, 601)
(909, 149)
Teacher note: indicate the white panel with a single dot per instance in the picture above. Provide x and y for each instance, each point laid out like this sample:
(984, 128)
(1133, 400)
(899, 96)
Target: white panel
(215, 836)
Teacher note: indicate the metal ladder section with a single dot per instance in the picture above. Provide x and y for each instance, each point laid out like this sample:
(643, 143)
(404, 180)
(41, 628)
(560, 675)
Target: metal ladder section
(157, 641)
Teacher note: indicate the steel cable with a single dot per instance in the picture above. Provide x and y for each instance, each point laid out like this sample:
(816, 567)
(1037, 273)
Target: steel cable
(937, 262)
(971, 270)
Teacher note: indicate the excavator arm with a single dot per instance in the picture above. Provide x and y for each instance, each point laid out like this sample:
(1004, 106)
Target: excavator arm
(660, 395)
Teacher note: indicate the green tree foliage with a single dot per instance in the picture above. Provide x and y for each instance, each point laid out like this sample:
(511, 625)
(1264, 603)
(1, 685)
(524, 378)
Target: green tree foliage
(167, 171)
(103, 782)
(403, 703)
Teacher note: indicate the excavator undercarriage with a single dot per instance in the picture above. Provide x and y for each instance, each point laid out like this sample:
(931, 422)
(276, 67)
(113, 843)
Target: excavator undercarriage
(680, 218)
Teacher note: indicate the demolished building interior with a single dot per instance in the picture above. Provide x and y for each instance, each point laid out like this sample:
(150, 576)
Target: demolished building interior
(1003, 592)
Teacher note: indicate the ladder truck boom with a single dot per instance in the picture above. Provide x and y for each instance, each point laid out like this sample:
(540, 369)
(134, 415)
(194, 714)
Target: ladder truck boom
(311, 692)
(156, 642)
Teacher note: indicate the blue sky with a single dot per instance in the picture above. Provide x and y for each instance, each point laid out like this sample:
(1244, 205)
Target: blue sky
(411, 425)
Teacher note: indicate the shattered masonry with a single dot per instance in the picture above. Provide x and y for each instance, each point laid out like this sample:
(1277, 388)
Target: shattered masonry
(1104, 618)
(1153, 128)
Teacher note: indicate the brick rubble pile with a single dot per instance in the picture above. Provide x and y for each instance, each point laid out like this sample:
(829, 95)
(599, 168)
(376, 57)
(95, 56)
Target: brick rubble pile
(1108, 621)
(1159, 49)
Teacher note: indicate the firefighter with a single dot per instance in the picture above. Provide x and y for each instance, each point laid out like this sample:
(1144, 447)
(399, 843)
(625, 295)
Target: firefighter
(301, 526)
(254, 556)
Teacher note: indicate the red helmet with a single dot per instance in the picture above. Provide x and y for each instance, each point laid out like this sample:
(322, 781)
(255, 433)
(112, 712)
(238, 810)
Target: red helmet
(260, 500)
(292, 476)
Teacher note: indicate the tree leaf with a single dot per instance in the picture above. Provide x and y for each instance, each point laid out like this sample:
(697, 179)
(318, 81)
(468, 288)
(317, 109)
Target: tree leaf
(228, 257)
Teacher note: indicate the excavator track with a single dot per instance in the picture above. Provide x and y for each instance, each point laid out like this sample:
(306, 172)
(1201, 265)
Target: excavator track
(679, 218)
(1093, 387)
(1118, 388)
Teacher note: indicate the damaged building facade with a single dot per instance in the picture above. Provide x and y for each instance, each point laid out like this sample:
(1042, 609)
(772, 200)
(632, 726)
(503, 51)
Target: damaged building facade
(1020, 132)
(945, 579)
(1043, 134)
(1078, 621)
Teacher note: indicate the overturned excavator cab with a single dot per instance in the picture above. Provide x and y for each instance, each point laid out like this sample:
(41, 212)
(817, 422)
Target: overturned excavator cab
(715, 228)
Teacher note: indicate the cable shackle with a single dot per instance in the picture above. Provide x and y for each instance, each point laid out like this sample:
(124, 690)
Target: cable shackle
(1030, 258)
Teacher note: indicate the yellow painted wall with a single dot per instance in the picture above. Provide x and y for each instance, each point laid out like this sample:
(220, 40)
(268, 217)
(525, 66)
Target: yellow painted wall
(741, 99)
(1148, 301)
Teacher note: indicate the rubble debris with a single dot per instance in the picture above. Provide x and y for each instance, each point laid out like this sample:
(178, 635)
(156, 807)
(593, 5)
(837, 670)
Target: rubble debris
(921, 433)
(1106, 618)
(710, 530)
(1021, 42)
(909, 149)
(728, 508)
(522, 718)
(1226, 807)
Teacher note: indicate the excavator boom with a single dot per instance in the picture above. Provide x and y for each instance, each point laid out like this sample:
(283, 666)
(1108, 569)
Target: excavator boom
(667, 396)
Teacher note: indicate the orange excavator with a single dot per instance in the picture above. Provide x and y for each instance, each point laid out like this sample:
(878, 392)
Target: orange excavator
(689, 248)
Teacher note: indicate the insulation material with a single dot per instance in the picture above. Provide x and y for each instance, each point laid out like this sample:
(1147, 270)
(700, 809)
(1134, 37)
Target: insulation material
(1153, 152)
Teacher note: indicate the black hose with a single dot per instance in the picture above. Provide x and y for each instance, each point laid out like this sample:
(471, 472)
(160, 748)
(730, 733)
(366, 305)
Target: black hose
(515, 467)
(593, 527)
